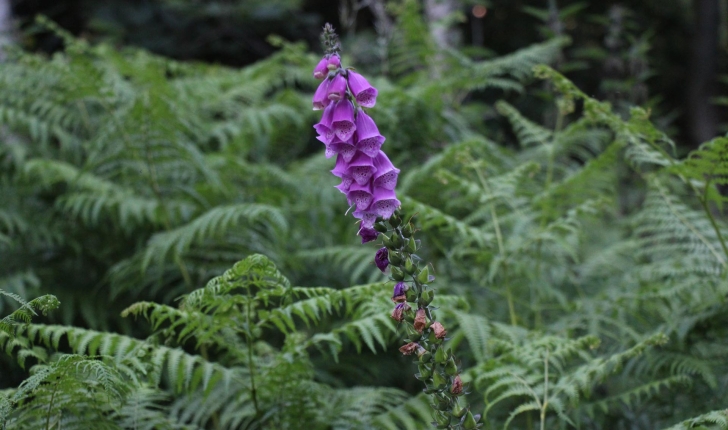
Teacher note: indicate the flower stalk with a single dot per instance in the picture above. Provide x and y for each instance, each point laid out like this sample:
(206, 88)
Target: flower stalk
(369, 179)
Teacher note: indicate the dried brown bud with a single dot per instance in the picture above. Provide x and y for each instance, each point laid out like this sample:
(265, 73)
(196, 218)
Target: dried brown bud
(410, 348)
(439, 330)
(399, 310)
(420, 320)
(457, 385)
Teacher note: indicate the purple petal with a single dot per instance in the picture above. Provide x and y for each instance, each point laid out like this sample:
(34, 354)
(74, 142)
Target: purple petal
(335, 61)
(387, 174)
(365, 94)
(337, 88)
(343, 120)
(385, 203)
(361, 195)
(400, 289)
(367, 218)
(369, 140)
(345, 184)
(341, 168)
(320, 71)
(381, 259)
(320, 97)
(361, 168)
(367, 234)
(346, 149)
(323, 128)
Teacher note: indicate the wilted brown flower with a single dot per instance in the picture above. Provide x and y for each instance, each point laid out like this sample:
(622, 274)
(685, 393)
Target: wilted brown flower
(457, 385)
(399, 310)
(410, 348)
(439, 330)
(420, 320)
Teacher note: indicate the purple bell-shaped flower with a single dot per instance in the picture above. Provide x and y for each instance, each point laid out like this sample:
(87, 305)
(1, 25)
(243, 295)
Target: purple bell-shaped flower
(365, 94)
(367, 134)
(343, 120)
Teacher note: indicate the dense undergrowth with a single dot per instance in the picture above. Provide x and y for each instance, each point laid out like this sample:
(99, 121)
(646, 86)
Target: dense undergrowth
(581, 265)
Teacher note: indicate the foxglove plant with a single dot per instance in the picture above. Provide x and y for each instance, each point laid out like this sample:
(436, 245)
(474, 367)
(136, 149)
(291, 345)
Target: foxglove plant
(369, 179)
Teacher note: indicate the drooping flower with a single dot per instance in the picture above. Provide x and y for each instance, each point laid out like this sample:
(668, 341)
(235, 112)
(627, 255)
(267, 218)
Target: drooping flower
(361, 168)
(385, 202)
(367, 234)
(399, 310)
(367, 218)
(457, 385)
(420, 320)
(399, 294)
(337, 88)
(381, 259)
(324, 127)
(439, 330)
(410, 348)
(345, 184)
(338, 146)
(321, 69)
(334, 61)
(343, 120)
(367, 134)
(320, 97)
(365, 94)
(360, 195)
(387, 174)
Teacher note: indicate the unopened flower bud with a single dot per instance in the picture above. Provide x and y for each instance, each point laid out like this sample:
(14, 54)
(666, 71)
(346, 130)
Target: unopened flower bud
(458, 411)
(425, 357)
(397, 274)
(411, 295)
(394, 257)
(425, 371)
(409, 266)
(321, 70)
(380, 259)
(412, 246)
(451, 368)
(422, 277)
(426, 297)
(470, 422)
(438, 380)
(380, 227)
(440, 356)
(408, 230)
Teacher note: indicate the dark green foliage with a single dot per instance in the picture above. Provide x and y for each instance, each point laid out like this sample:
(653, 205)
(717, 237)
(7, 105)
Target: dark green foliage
(580, 264)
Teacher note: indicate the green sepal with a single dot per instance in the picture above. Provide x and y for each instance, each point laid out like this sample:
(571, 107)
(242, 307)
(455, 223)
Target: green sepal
(458, 412)
(438, 380)
(469, 422)
(451, 368)
(425, 357)
(425, 371)
(422, 277)
(394, 257)
(396, 240)
(409, 266)
(380, 228)
(440, 355)
(397, 274)
(412, 246)
(394, 221)
(408, 230)
(426, 297)
(412, 333)
(411, 295)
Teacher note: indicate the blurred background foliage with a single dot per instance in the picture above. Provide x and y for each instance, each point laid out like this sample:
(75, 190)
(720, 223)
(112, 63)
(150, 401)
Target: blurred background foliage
(149, 146)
